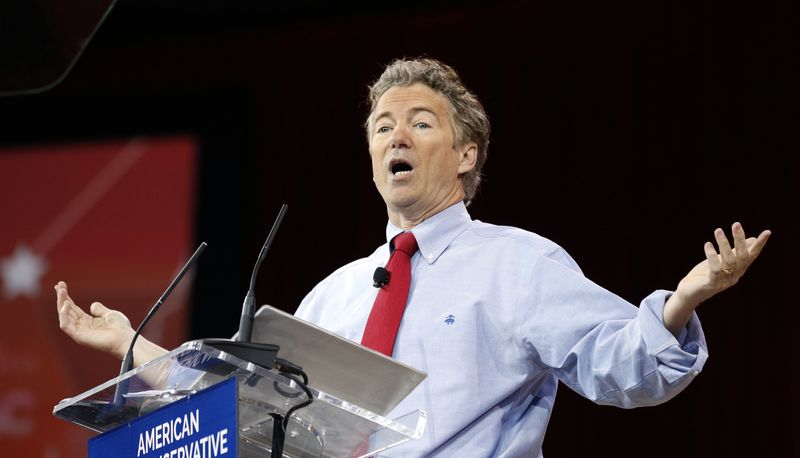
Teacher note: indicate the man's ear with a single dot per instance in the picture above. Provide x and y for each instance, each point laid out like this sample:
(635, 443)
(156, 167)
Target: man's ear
(468, 156)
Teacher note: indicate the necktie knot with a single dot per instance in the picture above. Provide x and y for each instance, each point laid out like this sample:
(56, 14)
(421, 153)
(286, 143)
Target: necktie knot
(406, 243)
(390, 303)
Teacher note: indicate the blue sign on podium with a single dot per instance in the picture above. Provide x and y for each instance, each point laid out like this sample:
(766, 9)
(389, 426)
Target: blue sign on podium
(203, 425)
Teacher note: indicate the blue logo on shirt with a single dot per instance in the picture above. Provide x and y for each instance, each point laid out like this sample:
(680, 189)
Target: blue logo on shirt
(450, 320)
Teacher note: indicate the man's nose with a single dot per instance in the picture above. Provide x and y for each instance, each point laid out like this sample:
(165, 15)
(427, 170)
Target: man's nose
(400, 137)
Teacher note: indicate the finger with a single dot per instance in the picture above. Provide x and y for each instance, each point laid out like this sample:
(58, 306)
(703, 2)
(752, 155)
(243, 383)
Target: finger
(62, 294)
(728, 259)
(740, 242)
(66, 315)
(712, 258)
(98, 309)
(63, 316)
(65, 303)
(70, 315)
(758, 244)
(69, 309)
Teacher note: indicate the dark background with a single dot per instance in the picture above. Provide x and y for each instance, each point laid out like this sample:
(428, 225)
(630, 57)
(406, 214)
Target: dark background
(626, 133)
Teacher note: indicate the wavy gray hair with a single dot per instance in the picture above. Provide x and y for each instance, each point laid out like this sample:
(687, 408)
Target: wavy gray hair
(469, 120)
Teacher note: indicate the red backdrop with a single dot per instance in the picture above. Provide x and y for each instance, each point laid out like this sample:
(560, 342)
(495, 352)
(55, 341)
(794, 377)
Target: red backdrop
(114, 219)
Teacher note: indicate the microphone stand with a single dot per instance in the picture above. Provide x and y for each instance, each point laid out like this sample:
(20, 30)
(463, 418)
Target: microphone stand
(127, 362)
(260, 354)
(263, 354)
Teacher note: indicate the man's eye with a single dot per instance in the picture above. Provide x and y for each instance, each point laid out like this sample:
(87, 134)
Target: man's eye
(422, 125)
(383, 129)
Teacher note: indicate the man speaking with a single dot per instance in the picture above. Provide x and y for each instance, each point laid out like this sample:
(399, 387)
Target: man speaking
(495, 315)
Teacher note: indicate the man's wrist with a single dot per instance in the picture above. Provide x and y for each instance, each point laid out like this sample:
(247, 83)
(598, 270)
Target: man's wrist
(125, 343)
(677, 312)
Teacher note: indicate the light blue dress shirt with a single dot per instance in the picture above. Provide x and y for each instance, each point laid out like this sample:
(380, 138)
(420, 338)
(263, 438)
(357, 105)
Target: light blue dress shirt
(496, 316)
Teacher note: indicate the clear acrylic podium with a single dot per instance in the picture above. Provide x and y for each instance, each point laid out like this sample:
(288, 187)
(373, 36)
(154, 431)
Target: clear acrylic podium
(329, 427)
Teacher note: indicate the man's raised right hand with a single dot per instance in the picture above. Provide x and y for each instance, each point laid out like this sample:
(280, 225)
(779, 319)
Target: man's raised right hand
(104, 329)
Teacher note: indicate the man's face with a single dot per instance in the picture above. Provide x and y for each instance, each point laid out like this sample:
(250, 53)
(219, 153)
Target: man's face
(415, 164)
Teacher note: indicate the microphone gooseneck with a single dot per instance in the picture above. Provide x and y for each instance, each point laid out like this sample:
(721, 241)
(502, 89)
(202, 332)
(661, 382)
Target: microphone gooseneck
(249, 305)
(263, 354)
(127, 361)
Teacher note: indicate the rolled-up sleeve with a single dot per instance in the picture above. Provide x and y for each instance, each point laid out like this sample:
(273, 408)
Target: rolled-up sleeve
(678, 358)
(603, 347)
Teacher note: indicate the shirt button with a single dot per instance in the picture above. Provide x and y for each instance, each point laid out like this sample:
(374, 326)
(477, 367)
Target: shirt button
(430, 257)
(696, 373)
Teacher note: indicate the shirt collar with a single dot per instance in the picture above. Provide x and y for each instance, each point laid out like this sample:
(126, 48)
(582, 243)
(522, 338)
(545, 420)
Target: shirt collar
(436, 233)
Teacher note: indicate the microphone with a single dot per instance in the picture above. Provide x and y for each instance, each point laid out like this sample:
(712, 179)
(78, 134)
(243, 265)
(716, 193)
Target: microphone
(380, 278)
(249, 306)
(264, 355)
(127, 362)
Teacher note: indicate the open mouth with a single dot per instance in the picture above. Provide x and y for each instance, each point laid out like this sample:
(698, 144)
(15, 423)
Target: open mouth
(399, 167)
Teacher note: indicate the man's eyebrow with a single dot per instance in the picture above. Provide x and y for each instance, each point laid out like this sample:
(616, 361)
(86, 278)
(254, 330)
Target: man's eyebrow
(384, 114)
(414, 111)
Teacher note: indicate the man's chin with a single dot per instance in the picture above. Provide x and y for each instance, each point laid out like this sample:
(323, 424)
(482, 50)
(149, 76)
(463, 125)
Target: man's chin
(400, 198)
(400, 204)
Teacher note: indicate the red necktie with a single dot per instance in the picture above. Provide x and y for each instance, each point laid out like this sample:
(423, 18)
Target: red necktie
(384, 319)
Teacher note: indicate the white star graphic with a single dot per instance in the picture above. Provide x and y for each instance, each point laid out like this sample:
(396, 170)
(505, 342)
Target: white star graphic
(22, 273)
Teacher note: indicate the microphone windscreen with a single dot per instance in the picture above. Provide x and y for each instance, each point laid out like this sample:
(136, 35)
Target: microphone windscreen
(380, 278)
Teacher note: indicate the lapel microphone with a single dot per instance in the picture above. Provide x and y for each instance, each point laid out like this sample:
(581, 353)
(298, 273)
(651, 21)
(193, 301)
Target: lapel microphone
(380, 278)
